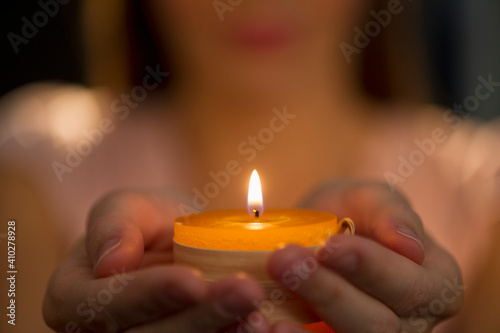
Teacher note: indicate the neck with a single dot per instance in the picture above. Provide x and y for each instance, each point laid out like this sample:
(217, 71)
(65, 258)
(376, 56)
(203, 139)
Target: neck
(322, 96)
(311, 87)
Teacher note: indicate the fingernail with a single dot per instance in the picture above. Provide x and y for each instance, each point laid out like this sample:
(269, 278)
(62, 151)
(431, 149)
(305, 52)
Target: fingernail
(284, 258)
(106, 248)
(404, 231)
(338, 257)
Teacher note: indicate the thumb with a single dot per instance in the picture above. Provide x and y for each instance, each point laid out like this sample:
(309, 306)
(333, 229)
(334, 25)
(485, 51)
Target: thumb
(403, 236)
(379, 214)
(125, 223)
(114, 244)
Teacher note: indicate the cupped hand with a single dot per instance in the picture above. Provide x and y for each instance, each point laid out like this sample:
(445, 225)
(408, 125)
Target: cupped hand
(121, 277)
(389, 277)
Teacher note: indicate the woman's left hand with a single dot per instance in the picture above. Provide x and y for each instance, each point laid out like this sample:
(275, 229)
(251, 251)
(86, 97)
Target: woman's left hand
(390, 277)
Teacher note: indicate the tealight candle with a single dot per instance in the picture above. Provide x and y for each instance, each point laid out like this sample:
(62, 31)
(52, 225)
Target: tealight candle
(232, 241)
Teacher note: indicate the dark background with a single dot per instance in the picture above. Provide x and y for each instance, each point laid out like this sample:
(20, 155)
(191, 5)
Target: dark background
(53, 54)
(463, 38)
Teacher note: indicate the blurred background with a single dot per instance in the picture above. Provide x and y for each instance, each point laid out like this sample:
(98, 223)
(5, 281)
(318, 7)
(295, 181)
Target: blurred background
(54, 53)
(462, 36)
(462, 39)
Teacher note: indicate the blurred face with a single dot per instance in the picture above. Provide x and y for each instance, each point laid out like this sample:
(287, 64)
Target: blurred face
(254, 42)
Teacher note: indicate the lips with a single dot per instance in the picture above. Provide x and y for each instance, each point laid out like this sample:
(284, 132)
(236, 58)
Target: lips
(262, 35)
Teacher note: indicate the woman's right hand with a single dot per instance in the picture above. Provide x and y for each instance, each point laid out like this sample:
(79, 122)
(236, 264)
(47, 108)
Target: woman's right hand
(121, 277)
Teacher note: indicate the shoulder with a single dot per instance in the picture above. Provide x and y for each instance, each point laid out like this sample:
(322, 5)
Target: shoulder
(451, 131)
(428, 148)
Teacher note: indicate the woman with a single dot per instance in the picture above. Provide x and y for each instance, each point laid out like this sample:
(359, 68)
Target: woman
(229, 79)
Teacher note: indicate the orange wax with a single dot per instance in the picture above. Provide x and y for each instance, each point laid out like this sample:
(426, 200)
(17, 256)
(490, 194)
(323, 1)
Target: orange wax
(237, 230)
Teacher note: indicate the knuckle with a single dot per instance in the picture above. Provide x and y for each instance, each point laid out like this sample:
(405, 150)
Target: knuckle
(324, 298)
(416, 219)
(374, 189)
(117, 207)
(418, 295)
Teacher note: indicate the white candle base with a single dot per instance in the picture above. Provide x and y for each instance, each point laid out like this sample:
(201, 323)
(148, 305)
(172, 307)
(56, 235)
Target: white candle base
(214, 264)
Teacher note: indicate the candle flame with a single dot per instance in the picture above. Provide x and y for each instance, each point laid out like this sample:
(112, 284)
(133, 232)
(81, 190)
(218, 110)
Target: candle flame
(255, 203)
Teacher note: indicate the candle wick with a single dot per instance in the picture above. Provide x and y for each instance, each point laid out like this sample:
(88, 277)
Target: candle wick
(256, 212)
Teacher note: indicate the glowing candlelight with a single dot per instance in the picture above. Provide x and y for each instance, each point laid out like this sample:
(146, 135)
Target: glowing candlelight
(255, 204)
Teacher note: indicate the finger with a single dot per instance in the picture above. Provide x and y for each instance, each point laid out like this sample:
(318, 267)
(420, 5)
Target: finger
(378, 213)
(231, 300)
(122, 225)
(387, 276)
(341, 305)
(114, 243)
(119, 301)
(398, 228)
